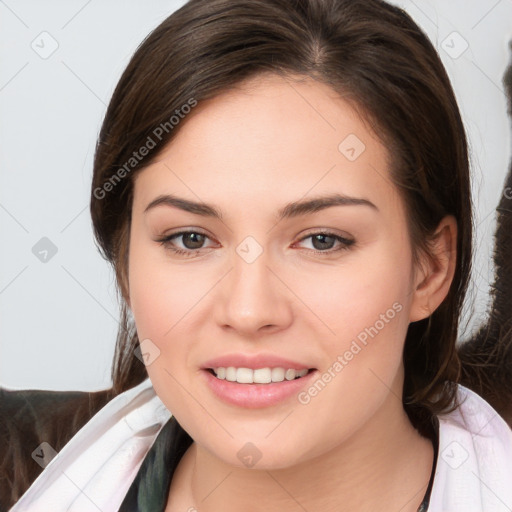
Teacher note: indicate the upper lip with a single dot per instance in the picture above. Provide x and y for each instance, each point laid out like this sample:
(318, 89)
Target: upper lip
(253, 362)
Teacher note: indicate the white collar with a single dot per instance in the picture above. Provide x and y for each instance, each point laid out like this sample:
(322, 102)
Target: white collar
(474, 466)
(98, 465)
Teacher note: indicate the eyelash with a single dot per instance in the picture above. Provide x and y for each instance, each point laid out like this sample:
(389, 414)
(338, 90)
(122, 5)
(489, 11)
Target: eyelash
(166, 242)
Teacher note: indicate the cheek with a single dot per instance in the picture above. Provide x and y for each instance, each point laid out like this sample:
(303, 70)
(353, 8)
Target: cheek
(158, 296)
(355, 295)
(150, 304)
(159, 303)
(363, 306)
(166, 305)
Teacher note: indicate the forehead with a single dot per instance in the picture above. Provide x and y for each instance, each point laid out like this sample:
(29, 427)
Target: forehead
(270, 137)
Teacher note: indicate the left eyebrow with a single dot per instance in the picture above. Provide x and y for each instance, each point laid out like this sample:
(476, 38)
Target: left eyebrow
(306, 206)
(293, 209)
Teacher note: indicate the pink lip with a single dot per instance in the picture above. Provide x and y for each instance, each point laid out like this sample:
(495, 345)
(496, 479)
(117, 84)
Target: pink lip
(253, 362)
(254, 396)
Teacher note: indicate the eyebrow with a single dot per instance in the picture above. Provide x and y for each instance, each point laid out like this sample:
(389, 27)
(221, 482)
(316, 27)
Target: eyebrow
(293, 209)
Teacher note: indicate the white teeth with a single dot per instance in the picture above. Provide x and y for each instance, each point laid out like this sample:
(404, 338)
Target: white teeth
(278, 374)
(231, 374)
(262, 375)
(258, 376)
(244, 376)
(289, 375)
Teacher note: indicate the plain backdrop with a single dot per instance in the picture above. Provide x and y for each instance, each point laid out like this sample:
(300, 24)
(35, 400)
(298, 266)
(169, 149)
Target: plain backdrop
(59, 63)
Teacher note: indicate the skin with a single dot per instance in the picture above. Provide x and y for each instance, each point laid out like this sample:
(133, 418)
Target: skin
(249, 152)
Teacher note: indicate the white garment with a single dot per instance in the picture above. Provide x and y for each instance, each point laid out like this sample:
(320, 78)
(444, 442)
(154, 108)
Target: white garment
(474, 466)
(97, 466)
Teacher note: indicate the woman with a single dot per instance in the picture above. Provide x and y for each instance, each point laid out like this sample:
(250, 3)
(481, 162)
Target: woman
(282, 188)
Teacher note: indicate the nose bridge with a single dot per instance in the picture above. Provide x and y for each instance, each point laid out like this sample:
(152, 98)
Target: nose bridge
(253, 297)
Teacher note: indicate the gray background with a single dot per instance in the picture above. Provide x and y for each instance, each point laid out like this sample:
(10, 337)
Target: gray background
(59, 65)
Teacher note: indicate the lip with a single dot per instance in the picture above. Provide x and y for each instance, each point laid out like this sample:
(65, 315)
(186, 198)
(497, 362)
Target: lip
(257, 396)
(253, 362)
(254, 396)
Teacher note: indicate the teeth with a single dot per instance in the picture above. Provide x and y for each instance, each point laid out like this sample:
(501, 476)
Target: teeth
(289, 375)
(231, 374)
(258, 376)
(278, 374)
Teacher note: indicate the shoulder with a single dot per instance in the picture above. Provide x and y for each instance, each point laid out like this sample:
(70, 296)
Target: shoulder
(29, 418)
(474, 467)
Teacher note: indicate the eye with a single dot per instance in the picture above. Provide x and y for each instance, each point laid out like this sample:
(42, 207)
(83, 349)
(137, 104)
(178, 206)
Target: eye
(324, 241)
(192, 242)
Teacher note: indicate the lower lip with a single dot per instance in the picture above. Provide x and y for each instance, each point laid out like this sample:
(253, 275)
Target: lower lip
(253, 396)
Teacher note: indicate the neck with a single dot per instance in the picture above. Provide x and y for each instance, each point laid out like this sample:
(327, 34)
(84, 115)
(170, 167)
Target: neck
(385, 465)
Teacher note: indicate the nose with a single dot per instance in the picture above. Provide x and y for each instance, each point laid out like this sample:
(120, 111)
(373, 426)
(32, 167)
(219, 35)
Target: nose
(253, 298)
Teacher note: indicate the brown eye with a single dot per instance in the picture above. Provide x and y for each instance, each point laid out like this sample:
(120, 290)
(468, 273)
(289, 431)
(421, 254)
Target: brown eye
(191, 242)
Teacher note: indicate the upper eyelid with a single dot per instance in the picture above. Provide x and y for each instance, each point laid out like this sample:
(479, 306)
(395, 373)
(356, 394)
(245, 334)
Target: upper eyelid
(326, 232)
(179, 234)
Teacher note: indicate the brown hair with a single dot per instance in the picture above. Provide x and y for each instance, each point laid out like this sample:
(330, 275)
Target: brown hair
(370, 52)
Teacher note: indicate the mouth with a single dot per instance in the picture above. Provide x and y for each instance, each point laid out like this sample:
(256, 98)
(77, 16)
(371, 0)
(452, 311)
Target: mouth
(265, 375)
(256, 382)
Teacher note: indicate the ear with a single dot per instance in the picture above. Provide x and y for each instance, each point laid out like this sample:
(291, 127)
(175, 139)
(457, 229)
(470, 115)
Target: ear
(433, 278)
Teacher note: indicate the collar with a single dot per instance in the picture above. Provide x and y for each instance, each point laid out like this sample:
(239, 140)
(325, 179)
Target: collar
(474, 468)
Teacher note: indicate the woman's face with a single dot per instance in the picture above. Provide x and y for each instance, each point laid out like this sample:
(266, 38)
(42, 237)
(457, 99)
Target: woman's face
(297, 257)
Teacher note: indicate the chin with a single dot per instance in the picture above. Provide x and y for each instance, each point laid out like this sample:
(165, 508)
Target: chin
(259, 455)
